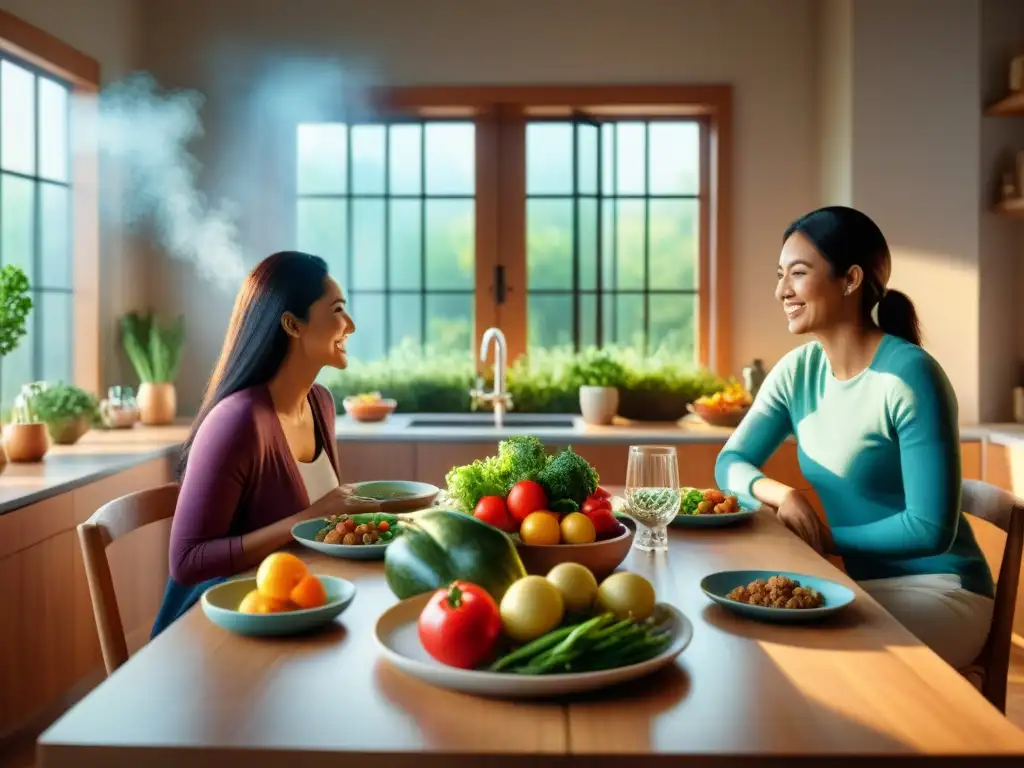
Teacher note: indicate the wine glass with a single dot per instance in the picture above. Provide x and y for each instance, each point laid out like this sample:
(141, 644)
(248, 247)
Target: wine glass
(652, 493)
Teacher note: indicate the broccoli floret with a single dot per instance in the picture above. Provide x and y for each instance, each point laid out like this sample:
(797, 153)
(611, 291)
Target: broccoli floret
(520, 457)
(568, 476)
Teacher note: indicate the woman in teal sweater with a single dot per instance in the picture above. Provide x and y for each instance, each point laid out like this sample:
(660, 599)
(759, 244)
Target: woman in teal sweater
(875, 421)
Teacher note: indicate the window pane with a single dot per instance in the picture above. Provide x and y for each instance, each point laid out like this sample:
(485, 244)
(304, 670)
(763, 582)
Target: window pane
(322, 160)
(549, 159)
(674, 325)
(18, 123)
(16, 368)
(367, 310)
(322, 230)
(368, 159)
(609, 274)
(450, 321)
(629, 159)
(451, 158)
(450, 244)
(629, 244)
(367, 245)
(589, 162)
(55, 319)
(549, 243)
(674, 159)
(54, 232)
(629, 320)
(406, 319)
(405, 243)
(608, 146)
(405, 148)
(588, 320)
(550, 323)
(673, 243)
(608, 318)
(17, 212)
(587, 213)
(53, 130)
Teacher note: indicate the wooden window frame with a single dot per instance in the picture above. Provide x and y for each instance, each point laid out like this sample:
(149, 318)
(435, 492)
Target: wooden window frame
(46, 52)
(501, 113)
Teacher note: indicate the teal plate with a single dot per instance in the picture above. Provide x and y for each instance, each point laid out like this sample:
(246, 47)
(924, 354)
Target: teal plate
(398, 495)
(305, 533)
(711, 521)
(220, 604)
(717, 585)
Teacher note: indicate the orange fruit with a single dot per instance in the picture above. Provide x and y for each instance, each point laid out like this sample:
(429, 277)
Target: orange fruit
(309, 593)
(540, 527)
(279, 574)
(255, 602)
(577, 528)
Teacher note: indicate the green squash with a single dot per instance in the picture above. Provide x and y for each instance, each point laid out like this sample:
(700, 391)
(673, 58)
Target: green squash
(438, 546)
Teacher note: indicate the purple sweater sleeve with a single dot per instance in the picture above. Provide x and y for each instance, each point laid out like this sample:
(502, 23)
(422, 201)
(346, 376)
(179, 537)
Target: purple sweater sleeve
(221, 460)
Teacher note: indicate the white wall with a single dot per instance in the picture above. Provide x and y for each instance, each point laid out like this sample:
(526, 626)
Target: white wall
(764, 49)
(108, 31)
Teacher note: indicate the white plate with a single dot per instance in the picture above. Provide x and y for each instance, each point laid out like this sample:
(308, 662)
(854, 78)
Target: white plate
(398, 640)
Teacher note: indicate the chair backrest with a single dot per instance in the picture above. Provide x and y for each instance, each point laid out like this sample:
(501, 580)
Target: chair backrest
(112, 521)
(1004, 510)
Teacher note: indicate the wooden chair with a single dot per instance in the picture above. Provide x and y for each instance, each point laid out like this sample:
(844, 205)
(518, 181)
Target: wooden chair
(1006, 511)
(114, 520)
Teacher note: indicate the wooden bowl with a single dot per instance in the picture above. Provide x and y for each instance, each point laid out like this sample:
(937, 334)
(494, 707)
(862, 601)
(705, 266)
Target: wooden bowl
(717, 418)
(601, 557)
(369, 410)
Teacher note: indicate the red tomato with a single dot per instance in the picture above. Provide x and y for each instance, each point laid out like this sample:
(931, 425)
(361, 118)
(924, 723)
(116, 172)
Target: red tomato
(383, 526)
(600, 493)
(492, 510)
(592, 504)
(460, 626)
(525, 497)
(605, 524)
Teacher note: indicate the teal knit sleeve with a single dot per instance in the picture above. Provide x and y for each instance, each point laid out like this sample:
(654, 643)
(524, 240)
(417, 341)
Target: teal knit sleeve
(923, 412)
(759, 435)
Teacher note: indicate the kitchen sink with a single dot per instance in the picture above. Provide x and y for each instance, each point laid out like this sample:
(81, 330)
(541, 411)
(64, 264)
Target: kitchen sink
(488, 423)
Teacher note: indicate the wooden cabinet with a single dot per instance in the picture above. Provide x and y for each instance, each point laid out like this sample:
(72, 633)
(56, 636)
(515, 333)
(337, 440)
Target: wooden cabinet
(48, 641)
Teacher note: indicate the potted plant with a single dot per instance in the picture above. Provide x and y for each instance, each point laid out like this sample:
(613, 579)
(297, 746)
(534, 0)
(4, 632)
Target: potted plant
(25, 438)
(15, 305)
(599, 377)
(67, 411)
(155, 353)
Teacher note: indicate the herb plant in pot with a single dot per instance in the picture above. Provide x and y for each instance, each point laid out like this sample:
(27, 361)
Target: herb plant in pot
(599, 376)
(155, 354)
(67, 411)
(15, 305)
(25, 438)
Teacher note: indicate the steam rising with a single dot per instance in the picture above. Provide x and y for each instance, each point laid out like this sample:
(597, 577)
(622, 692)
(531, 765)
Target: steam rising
(147, 133)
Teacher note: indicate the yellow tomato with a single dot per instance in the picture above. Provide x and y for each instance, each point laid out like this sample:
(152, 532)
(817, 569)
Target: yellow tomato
(577, 528)
(531, 607)
(540, 527)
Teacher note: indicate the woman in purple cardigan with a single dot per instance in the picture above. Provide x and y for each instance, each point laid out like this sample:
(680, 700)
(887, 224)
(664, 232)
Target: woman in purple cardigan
(261, 455)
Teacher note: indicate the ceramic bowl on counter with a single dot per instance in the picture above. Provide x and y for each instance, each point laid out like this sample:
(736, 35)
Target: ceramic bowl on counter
(719, 417)
(369, 409)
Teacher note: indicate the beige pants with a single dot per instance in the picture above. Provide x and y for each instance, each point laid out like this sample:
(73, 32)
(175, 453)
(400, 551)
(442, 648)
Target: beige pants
(939, 612)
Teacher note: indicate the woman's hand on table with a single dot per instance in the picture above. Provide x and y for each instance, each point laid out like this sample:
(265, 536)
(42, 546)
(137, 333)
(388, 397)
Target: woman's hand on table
(339, 501)
(797, 514)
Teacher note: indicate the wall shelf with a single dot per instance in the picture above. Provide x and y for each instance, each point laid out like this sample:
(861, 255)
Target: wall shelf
(1012, 105)
(1013, 208)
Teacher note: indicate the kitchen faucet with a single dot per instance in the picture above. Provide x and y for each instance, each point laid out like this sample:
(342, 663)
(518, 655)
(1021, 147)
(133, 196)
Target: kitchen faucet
(499, 397)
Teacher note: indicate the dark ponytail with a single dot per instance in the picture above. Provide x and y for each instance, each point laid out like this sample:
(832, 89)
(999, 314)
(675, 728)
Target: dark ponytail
(897, 317)
(846, 237)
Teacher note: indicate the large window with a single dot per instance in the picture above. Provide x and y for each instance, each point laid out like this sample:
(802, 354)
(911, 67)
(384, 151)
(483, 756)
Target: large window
(35, 218)
(567, 220)
(392, 209)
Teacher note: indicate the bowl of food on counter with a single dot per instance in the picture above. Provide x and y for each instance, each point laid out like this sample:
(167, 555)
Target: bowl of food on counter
(369, 407)
(725, 408)
(550, 505)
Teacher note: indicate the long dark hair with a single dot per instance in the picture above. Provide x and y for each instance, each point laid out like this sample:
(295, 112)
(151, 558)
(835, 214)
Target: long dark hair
(256, 344)
(846, 237)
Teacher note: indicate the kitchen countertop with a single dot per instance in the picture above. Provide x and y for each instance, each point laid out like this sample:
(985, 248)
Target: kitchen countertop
(102, 453)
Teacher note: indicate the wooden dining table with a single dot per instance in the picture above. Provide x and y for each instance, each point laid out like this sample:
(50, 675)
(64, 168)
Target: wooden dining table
(855, 688)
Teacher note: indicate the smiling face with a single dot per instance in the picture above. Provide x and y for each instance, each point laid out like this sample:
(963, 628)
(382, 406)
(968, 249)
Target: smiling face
(813, 298)
(322, 336)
